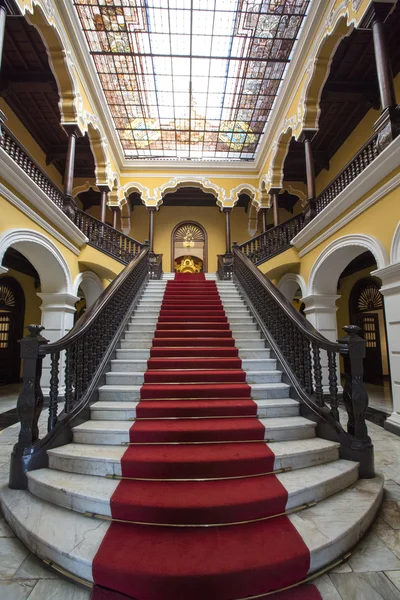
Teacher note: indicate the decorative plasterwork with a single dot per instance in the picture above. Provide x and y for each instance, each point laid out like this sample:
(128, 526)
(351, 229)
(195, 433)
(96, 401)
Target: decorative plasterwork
(322, 269)
(244, 188)
(395, 247)
(200, 182)
(85, 187)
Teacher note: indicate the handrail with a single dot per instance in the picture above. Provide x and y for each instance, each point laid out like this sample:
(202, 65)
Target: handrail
(85, 352)
(273, 241)
(224, 266)
(311, 361)
(107, 239)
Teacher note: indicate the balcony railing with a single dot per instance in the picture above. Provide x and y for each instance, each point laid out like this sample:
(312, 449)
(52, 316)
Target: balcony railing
(272, 242)
(277, 240)
(100, 235)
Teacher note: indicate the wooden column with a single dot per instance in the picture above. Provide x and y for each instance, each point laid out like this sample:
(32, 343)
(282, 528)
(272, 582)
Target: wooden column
(227, 212)
(104, 189)
(152, 210)
(387, 126)
(69, 203)
(273, 192)
(264, 212)
(114, 211)
(3, 16)
(306, 137)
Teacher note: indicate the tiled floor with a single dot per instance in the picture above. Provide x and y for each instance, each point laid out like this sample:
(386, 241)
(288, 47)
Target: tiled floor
(371, 573)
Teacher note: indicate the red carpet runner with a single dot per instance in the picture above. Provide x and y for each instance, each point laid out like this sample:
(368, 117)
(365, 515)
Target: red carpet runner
(194, 371)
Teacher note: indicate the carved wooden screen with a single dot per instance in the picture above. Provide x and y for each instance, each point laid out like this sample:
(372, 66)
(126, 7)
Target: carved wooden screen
(12, 308)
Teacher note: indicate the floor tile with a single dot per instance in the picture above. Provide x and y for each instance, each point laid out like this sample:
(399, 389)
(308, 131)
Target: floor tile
(372, 554)
(12, 554)
(394, 577)
(47, 589)
(16, 590)
(364, 586)
(33, 568)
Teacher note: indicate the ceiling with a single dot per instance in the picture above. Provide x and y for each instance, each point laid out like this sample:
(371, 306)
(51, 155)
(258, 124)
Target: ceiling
(191, 79)
(350, 91)
(28, 86)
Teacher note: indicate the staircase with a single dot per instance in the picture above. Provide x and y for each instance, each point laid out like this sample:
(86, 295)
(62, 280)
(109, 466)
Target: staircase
(197, 418)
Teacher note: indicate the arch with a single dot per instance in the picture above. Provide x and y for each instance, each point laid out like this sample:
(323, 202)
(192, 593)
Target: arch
(12, 313)
(245, 188)
(85, 187)
(290, 283)
(337, 255)
(279, 151)
(199, 182)
(99, 151)
(296, 188)
(43, 19)
(319, 67)
(135, 186)
(125, 209)
(90, 284)
(395, 246)
(44, 255)
(205, 237)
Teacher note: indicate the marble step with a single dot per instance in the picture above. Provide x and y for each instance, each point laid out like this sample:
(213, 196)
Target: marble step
(140, 365)
(122, 393)
(72, 540)
(117, 432)
(137, 378)
(106, 460)
(122, 411)
(135, 354)
(139, 342)
(83, 493)
(136, 341)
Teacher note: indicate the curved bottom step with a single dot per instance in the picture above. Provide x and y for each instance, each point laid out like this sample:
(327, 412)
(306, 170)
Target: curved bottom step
(72, 540)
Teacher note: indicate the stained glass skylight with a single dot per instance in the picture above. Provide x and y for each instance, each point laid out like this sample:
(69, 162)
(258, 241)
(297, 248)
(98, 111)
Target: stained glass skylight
(191, 78)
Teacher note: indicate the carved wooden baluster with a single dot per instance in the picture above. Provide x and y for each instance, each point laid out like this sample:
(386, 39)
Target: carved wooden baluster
(69, 378)
(319, 393)
(53, 393)
(333, 388)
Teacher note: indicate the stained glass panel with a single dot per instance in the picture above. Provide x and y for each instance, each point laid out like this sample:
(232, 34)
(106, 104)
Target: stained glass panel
(191, 78)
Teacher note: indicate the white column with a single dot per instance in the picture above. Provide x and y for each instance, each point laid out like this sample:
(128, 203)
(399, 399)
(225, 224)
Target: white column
(390, 290)
(57, 319)
(321, 310)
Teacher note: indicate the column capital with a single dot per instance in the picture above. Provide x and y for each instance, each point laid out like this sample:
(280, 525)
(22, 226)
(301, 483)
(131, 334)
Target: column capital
(72, 129)
(274, 190)
(390, 277)
(104, 188)
(152, 208)
(58, 301)
(321, 303)
(226, 209)
(307, 134)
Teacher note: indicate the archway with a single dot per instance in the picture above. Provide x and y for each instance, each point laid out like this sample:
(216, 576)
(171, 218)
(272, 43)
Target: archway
(293, 287)
(12, 309)
(336, 271)
(87, 287)
(189, 248)
(58, 301)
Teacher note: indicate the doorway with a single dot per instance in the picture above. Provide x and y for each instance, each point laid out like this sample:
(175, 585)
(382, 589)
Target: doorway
(12, 310)
(189, 248)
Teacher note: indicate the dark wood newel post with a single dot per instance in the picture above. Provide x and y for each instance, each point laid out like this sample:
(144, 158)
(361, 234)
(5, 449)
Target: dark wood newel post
(29, 405)
(104, 189)
(306, 137)
(388, 124)
(152, 210)
(69, 203)
(227, 212)
(273, 192)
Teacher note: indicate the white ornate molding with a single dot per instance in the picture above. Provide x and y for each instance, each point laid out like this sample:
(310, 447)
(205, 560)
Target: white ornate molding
(190, 181)
(384, 164)
(348, 242)
(79, 238)
(390, 277)
(47, 259)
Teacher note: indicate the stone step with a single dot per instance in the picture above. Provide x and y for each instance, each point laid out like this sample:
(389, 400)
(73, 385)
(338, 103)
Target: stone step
(140, 365)
(117, 432)
(71, 540)
(115, 377)
(122, 411)
(71, 491)
(134, 354)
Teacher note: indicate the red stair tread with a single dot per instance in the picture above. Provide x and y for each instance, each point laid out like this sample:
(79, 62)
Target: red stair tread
(195, 390)
(201, 351)
(195, 376)
(197, 461)
(199, 501)
(179, 318)
(197, 430)
(202, 563)
(195, 408)
(205, 324)
(193, 333)
(192, 341)
(194, 363)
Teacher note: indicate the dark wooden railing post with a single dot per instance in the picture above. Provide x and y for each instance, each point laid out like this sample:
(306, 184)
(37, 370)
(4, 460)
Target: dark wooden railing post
(273, 192)
(306, 137)
(69, 203)
(227, 212)
(152, 210)
(355, 396)
(29, 403)
(3, 17)
(115, 213)
(388, 124)
(104, 189)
